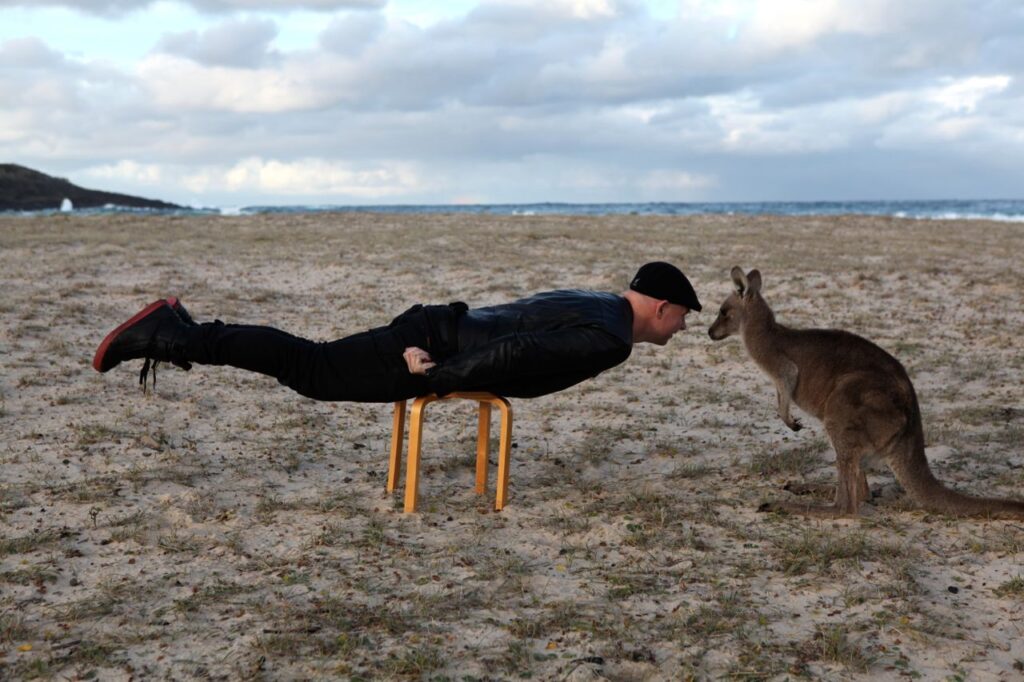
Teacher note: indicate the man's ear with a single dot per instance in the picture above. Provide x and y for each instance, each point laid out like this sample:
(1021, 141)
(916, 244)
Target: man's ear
(660, 308)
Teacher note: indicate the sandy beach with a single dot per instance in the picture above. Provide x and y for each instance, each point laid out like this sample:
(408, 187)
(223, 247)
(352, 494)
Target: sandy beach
(223, 527)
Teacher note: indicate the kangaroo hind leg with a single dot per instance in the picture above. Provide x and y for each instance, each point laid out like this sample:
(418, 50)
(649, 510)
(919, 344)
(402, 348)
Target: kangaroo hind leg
(851, 490)
(827, 490)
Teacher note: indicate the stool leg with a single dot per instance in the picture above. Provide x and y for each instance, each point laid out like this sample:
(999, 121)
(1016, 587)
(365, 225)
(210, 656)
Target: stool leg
(397, 435)
(412, 478)
(483, 444)
(504, 455)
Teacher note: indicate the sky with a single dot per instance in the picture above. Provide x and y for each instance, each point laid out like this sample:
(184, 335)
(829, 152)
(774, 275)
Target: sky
(276, 102)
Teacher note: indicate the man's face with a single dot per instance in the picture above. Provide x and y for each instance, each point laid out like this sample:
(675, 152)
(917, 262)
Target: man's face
(669, 319)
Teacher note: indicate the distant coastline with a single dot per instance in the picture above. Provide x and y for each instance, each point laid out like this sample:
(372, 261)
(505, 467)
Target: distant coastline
(24, 189)
(1007, 210)
(1011, 210)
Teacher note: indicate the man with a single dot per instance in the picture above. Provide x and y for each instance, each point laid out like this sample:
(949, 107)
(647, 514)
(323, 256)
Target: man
(531, 347)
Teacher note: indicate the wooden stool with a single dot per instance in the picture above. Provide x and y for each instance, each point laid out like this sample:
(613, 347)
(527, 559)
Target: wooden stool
(412, 481)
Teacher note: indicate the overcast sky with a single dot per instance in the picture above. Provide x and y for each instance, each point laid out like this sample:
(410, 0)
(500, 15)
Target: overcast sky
(242, 102)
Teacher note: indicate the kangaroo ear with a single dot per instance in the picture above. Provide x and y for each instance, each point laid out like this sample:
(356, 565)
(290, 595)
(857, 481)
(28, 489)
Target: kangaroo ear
(739, 279)
(754, 277)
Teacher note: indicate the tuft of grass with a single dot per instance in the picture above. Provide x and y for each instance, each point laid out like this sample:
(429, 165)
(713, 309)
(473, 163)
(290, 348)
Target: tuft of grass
(1002, 540)
(11, 500)
(904, 583)
(722, 616)
(88, 490)
(1014, 587)
(653, 519)
(88, 653)
(91, 434)
(13, 628)
(415, 663)
(330, 535)
(83, 654)
(130, 527)
(559, 617)
(209, 595)
(599, 442)
(623, 586)
(504, 565)
(516, 659)
(688, 471)
(267, 507)
(28, 543)
(373, 535)
(357, 618)
(175, 542)
(33, 575)
(566, 523)
(291, 645)
(92, 607)
(184, 476)
(832, 643)
(817, 550)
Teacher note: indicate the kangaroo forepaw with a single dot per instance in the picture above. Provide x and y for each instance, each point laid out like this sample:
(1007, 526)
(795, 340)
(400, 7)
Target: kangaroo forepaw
(794, 424)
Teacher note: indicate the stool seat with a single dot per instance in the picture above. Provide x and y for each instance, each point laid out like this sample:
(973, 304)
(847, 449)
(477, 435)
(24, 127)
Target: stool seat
(412, 480)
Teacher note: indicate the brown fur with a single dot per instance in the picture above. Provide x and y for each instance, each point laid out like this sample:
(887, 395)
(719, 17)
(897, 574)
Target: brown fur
(860, 393)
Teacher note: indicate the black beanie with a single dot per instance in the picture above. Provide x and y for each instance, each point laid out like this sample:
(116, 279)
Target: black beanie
(665, 282)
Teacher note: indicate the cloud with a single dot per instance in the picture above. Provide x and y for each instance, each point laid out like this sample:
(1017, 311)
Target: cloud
(47, 98)
(29, 53)
(308, 178)
(973, 115)
(350, 34)
(674, 182)
(118, 7)
(963, 95)
(285, 5)
(182, 85)
(126, 171)
(526, 99)
(244, 43)
(789, 24)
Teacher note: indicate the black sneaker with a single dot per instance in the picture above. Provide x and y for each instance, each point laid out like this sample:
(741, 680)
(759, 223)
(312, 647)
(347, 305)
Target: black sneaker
(179, 308)
(152, 333)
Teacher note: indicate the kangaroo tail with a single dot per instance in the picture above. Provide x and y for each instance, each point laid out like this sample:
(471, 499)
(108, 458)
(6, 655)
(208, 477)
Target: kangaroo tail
(912, 471)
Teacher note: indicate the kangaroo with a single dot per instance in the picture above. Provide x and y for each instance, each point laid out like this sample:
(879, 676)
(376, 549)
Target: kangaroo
(860, 393)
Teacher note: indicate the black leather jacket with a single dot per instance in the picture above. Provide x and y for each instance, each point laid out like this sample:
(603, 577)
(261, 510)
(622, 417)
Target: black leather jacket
(534, 346)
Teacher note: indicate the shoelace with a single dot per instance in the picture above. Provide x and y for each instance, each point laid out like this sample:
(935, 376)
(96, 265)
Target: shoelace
(149, 366)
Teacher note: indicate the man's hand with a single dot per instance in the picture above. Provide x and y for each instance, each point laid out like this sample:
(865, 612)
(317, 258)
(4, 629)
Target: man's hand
(418, 360)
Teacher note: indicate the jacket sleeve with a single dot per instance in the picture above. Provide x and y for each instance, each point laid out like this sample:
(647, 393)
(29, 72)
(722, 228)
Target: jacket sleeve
(530, 364)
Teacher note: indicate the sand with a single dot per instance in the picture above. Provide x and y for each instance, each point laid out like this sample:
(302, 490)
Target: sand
(224, 527)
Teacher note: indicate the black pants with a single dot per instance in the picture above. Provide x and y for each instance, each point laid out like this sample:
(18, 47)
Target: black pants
(365, 367)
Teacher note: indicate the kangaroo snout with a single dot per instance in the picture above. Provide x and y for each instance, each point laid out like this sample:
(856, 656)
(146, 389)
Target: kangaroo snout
(730, 318)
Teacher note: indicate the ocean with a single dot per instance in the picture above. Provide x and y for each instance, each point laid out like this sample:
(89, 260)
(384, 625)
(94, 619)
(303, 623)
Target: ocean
(948, 209)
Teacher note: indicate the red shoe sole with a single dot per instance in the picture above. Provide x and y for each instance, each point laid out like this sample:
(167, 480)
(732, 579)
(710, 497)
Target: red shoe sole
(97, 360)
